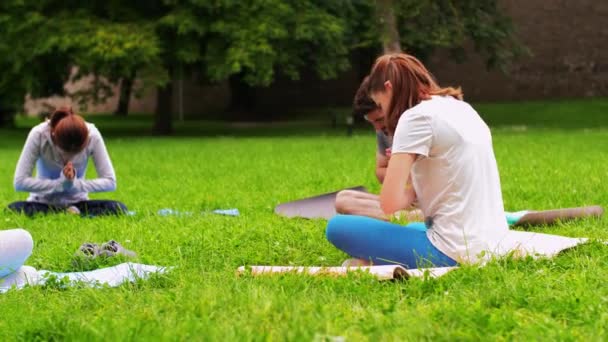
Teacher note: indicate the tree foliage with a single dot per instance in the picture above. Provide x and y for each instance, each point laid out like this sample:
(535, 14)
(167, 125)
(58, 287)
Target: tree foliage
(426, 25)
(253, 41)
(42, 41)
(249, 41)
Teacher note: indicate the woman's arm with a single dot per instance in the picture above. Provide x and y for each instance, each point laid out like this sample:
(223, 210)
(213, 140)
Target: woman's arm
(413, 138)
(23, 180)
(381, 165)
(397, 193)
(106, 178)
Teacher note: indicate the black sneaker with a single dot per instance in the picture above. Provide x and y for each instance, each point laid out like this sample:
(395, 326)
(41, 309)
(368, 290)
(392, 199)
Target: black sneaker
(112, 248)
(87, 249)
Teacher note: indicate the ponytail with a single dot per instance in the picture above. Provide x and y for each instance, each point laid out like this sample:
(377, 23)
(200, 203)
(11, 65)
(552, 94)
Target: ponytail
(59, 114)
(411, 82)
(68, 130)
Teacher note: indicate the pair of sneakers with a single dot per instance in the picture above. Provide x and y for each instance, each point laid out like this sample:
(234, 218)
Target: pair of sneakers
(108, 249)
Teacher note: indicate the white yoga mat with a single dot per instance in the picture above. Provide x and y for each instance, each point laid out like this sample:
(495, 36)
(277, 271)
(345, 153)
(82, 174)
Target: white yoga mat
(110, 276)
(519, 243)
(534, 244)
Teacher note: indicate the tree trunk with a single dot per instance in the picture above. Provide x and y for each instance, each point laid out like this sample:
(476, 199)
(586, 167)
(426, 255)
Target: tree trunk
(126, 89)
(163, 116)
(6, 120)
(242, 98)
(390, 32)
(7, 116)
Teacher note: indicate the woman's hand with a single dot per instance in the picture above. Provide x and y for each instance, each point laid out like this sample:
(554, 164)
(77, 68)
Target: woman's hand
(387, 152)
(69, 172)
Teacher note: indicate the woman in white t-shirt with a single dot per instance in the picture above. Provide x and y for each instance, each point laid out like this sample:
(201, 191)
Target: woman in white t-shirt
(446, 147)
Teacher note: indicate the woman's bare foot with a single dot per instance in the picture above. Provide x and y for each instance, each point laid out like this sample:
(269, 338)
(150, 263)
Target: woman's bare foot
(412, 215)
(354, 262)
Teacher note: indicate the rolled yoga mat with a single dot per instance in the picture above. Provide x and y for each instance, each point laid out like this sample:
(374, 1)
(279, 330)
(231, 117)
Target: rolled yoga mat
(545, 217)
(384, 272)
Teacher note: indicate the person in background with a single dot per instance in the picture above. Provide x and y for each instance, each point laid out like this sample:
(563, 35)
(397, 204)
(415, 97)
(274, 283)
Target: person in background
(59, 149)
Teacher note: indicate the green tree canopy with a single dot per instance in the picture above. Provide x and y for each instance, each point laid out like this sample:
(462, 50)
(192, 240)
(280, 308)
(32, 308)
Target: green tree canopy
(425, 25)
(248, 42)
(42, 40)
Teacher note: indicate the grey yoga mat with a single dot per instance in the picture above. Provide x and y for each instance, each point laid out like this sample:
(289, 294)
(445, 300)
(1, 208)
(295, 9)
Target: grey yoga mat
(316, 207)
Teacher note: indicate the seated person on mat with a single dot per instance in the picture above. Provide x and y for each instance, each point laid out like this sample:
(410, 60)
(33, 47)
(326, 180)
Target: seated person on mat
(60, 148)
(442, 155)
(362, 203)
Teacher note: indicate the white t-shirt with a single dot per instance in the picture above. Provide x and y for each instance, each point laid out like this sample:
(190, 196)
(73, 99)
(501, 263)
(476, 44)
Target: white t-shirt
(455, 176)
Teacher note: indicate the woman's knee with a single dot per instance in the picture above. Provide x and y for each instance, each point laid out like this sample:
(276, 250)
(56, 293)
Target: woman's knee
(336, 229)
(30, 208)
(344, 201)
(349, 229)
(105, 207)
(26, 240)
(18, 240)
(120, 207)
(16, 206)
(16, 246)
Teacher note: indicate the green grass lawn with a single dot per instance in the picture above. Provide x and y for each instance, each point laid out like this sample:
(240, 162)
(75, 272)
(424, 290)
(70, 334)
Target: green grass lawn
(550, 154)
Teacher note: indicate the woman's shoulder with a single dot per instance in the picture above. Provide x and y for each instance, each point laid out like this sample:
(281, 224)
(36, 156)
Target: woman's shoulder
(41, 130)
(91, 127)
(423, 109)
(44, 125)
(94, 135)
(93, 131)
(437, 104)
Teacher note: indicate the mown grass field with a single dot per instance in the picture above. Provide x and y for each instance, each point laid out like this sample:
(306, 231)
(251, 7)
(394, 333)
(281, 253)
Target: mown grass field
(550, 154)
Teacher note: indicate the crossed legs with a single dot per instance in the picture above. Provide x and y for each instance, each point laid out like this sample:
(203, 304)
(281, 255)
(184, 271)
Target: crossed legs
(88, 208)
(352, 202)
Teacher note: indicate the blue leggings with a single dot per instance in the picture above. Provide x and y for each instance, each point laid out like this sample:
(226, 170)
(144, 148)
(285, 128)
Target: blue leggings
(385, 243)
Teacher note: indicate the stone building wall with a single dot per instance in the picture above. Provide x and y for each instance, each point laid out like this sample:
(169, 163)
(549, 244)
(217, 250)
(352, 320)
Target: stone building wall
(569, 57)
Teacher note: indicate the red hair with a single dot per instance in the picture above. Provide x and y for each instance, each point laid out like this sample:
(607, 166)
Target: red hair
(68, 130)
(411, 83)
